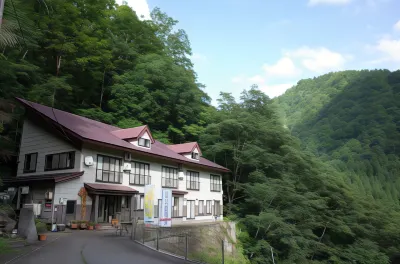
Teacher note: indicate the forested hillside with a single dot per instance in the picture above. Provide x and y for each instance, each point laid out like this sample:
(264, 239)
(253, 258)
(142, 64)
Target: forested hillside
(351, 119)
(99, 60)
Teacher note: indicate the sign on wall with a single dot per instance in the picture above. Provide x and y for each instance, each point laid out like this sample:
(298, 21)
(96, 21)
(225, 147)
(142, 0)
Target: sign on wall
(166, 208)
(149, 191)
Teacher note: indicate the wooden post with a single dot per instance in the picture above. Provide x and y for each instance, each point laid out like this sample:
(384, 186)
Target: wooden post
(223, 252)
(186, 246)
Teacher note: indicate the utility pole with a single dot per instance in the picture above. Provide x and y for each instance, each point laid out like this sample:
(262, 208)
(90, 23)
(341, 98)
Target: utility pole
(1, 11)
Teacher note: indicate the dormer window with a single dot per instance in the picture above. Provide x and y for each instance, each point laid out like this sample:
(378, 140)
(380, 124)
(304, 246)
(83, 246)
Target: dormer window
(195, 155)
(144, 142)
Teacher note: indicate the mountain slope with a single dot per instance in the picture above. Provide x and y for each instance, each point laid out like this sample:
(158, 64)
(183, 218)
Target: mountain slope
(351, 119)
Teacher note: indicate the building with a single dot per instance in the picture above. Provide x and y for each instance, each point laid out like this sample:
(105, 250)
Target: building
(93, 171)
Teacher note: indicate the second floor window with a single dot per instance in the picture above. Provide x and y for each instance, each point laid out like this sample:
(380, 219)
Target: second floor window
(141, 174)
(108, 169)
(215, 183)
(192, 180)
(195, 155)
(30, 162)
(60, 161)
(169, 177)
(144, 142)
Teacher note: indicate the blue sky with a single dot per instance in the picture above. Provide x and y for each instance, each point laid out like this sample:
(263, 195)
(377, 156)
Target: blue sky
(275, 43)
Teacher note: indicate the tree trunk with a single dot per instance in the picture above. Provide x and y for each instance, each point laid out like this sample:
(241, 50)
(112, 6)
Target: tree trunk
(102, 88)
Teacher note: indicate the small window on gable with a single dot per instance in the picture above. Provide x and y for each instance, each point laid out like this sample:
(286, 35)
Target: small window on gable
(144, 142)
(195, 155)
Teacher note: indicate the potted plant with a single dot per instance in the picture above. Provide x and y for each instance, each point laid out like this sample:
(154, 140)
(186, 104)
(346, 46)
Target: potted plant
(90, 226)
(97, 226)
(83, 224)
(74, 224)
(41, 229)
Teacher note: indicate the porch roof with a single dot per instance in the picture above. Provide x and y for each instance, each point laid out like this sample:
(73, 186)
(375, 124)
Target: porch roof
(55, 177)
(176, 192)
(110, 189)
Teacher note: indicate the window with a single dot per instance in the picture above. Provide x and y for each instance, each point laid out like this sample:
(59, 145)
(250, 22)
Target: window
(144, 142)
(215, 183)
(70, 207)
(217, 208)
(169, 177)
(30, 162)
(141, 202)
(176, 211)
(201, 207)
(60, 161)
(108, 169)
(141, 174)
(195, 155)
(208, 207)
(192, 180)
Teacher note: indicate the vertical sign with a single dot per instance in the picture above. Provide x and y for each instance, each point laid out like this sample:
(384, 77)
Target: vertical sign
(166, 208)
(149, 204)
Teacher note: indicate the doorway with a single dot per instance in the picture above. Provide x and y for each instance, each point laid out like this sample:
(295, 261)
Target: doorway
(190, 209)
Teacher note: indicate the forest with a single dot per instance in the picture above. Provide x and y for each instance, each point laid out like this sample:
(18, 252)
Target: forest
(313, 172)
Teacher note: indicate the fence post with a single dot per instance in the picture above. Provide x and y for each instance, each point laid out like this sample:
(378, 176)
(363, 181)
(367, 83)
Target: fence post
(157, 238)
(223, 252)
(186, 247)
(133, 231)
(143, 233)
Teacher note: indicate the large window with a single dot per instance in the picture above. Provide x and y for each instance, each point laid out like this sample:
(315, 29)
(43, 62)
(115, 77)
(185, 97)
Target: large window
(60, 161)
(70, 207)
(144, 142)
(192, 180)
(201, 207)
(141, 174)
(169, 177)
(108, 169)
(208, 207)
(215, 183)
(30, 162)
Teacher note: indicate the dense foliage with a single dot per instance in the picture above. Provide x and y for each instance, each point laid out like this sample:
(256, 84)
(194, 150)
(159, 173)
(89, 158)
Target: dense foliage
(293, 208)
(351, 119)
(97, 59)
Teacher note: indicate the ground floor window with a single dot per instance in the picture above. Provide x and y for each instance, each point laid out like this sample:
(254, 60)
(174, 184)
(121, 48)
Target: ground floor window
(208, 207)
(141, 202)
(201, 207)
(70, 207)
(217, 208)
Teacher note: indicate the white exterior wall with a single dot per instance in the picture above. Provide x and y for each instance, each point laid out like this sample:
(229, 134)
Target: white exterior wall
(35, 139)
(136, 141)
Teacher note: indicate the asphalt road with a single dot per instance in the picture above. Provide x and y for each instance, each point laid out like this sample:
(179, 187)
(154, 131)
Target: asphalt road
(86, 247)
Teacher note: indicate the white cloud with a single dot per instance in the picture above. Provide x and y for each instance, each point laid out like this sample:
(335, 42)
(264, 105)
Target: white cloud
(141, 7)
(275, 90)
(396, 26)
(256, 79)
(328, 2)
(390, 48)
(319, 60)
(282, 68)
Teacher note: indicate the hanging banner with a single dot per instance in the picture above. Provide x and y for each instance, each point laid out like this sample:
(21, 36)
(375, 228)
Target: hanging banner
(166, 208)
(149, 191)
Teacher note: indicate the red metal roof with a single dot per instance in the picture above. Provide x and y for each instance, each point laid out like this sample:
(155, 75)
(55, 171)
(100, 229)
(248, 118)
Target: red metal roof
(56, 177)
(185, 147)
(109, 187)
(128, 133)
(97, 132)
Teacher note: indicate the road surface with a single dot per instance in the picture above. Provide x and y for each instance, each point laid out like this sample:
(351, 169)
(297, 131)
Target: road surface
(93, 247)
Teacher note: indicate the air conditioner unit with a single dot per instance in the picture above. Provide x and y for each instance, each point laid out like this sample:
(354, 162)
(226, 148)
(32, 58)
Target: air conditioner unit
(24, 189)
(128, 156)
(127, 166)
(89, 161)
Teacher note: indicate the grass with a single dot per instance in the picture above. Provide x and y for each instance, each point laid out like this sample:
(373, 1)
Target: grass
(5, 245)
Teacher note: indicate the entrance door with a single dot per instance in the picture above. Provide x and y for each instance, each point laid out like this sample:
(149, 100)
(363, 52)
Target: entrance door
(190, 209)
(102, 209)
